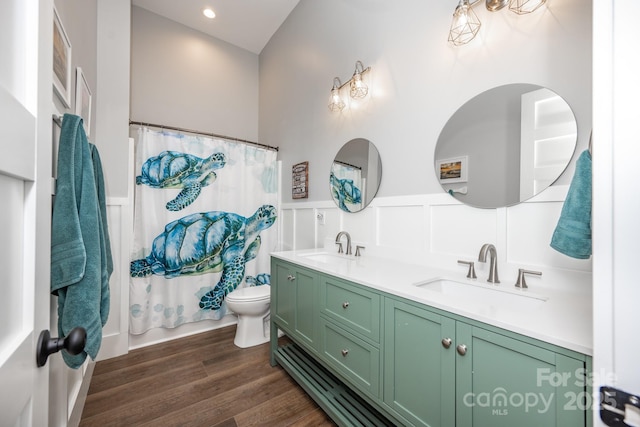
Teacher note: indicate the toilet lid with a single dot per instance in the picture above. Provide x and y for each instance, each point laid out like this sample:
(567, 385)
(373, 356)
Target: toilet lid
(252, 293)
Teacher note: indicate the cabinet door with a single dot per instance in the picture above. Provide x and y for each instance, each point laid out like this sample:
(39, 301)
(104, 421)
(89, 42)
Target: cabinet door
(283, 295)
(501, 381)
(306, 307)
(295, 302)
(419, 371)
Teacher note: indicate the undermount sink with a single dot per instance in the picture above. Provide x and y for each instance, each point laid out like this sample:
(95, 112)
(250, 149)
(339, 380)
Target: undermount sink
(485, 293)
(326, 257)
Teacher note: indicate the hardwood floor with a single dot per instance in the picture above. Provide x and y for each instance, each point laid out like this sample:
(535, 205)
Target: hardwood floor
(201, 380)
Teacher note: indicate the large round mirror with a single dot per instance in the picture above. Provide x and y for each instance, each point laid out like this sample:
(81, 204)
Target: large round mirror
(505, 145)
(355, 175)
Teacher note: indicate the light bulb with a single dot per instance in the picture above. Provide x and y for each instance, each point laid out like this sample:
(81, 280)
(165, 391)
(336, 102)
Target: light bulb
(209, 13)
(335, 102)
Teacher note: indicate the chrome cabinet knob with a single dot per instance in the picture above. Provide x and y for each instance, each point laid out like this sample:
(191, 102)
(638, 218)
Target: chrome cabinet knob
(446, 342)
(345, 305)
(291, 278)
(344, 352)
(462, 349)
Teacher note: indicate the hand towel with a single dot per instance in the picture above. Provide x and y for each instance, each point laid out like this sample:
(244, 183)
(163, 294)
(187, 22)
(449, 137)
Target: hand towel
(78, 262)
(572, 235)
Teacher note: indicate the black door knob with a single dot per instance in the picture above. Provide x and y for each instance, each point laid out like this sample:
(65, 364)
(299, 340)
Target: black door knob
(74, 343)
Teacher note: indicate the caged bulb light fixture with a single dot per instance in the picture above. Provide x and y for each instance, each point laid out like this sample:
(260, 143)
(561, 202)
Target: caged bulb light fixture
(335, 101)
(357, 88)
(465, 24)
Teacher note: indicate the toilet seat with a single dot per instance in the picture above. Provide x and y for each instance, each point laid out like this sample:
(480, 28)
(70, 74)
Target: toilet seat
(252, 293)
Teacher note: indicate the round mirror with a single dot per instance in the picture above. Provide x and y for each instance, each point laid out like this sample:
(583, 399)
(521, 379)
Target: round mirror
(355, 175)
(505, 145)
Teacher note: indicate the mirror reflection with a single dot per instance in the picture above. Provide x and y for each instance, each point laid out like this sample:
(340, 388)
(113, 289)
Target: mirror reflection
(355, 175)
(505, 145)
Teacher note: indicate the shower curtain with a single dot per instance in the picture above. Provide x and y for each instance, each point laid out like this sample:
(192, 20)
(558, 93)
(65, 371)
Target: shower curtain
(348, 186)
(205, 223)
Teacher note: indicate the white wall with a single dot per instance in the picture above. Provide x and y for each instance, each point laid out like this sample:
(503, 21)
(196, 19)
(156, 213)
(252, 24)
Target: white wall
(182, 77)
(417, 80)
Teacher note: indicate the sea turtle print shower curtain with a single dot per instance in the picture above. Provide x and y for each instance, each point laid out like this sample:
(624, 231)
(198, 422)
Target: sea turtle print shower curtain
(205, 223)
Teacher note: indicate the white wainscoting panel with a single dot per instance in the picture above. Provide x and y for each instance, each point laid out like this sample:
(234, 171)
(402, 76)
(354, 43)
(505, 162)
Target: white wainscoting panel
(115, 334)
(286, 226)
(437, 230)
(397, 227)
(305, 229)
(460, 230)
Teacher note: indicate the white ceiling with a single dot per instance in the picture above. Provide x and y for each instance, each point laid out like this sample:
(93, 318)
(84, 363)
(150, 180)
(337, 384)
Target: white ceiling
(248, 24)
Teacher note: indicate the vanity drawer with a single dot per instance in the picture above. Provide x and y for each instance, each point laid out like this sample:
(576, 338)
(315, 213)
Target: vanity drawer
(351, 356)
(355, 308)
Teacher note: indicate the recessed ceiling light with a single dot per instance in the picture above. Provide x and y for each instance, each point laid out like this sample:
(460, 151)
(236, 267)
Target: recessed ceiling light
(209, 13)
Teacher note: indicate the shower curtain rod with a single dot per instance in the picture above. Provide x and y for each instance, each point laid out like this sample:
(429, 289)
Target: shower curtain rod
(231, 138)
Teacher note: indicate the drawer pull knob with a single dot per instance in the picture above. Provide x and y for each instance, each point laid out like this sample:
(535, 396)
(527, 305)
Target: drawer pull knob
(462, 349)
(345, 304)
(344, 352)
(446, 342)
(291, 278)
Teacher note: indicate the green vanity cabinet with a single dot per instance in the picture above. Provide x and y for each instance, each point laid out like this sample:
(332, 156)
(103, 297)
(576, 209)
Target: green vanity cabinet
(414, 365)
(294, 302)
(419, 372)
(441, 371)
(507, 381)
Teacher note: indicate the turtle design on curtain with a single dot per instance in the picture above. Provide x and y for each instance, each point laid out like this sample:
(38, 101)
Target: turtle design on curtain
(183, 267)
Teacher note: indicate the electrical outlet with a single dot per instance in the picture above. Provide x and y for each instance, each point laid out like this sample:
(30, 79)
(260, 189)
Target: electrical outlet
(320, 218)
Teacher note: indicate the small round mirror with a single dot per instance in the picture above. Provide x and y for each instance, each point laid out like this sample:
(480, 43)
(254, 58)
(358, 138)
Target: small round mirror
(355, 175)
(505, 145)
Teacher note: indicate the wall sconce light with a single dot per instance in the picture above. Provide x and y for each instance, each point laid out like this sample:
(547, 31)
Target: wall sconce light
(357, 88)
(465, 24)
(335, 102)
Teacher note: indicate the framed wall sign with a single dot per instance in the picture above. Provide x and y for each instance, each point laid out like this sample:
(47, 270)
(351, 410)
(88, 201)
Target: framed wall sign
(61, 61)
(83, 100)
(300, 181)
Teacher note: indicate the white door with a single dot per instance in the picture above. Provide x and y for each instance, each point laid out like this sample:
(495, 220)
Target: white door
(548, 138)
(616, 205)
(25, 196)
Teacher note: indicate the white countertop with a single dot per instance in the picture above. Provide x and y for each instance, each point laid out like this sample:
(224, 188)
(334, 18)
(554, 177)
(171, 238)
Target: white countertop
(564, 319)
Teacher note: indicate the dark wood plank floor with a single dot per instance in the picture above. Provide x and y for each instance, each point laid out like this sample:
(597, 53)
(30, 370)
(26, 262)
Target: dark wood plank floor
(201, 380)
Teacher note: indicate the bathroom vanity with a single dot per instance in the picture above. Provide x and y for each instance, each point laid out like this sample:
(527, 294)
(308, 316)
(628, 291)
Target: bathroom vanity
(379, 342)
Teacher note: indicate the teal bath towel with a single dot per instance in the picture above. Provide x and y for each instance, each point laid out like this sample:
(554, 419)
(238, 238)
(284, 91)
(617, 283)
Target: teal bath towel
(572, 235)
(81, 262)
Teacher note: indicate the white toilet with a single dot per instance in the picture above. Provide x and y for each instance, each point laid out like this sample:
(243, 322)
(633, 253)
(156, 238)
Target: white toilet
(251, 305)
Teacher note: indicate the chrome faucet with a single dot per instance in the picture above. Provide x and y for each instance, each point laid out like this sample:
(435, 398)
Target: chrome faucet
(493, 263)
(338, 237)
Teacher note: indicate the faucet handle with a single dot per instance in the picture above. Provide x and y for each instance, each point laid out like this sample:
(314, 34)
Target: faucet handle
(358, 250)
(339, 247)
(521, 283)
(471, 273)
